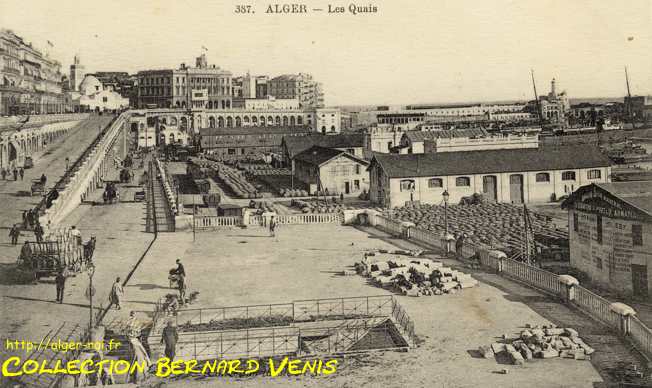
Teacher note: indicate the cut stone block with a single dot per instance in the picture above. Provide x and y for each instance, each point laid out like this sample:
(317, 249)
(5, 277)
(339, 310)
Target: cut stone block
(526, 352)
(497, 347)
(554, 331)
(517, 358)
(571, 332)
(549, 353)
(486, 351)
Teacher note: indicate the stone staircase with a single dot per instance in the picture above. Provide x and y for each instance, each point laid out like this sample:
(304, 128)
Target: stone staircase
(343, 337)
(65, 333)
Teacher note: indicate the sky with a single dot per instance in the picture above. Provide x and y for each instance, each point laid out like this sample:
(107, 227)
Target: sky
(409, 51)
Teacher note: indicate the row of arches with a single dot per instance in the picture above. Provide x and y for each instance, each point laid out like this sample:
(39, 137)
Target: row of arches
(224, 104)
(14, 148)
(255, 121)
(184, 122)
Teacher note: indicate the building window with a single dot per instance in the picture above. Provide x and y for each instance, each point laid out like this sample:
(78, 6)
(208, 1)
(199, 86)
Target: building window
(599, 229)
(357, 169)
(568, 176)
(435, 183)
(356, 185)
(407, 185)
(350, 151)
(593, 174)
(543, 177)
(598, 263)
(463, 181)
(231, 151)
(637, 234)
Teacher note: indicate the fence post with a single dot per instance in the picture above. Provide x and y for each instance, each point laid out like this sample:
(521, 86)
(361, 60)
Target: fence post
(568, 292)
(625, 312)
(501, 265)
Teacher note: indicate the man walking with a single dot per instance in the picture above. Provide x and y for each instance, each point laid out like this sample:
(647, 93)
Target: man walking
(15, 173)
(116, 294)
(60, 281)
(22, 173)
(44, 179)
(14, 233)
(67, 163)
(170, 336)
(3, 172)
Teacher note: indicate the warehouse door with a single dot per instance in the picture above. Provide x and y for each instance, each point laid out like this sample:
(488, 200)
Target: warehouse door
(639, 280)
(489, 188)
(516, 188)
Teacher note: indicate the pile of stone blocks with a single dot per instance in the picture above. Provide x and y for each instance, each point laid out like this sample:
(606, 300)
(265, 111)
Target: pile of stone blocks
(541, 342)
(413, 277)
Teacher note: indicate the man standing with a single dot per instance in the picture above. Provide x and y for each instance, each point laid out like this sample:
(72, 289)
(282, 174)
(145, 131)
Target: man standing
(272, 227)
(22, 173)
(181, 282)
(44, 179)
(116, 294)
(14, 233)
(459, 244)
(67, 163)
(4, 173)
(76, 234)
(60, 281)
(170, 336)
(15, 174)
(180, 269)
(38, 232)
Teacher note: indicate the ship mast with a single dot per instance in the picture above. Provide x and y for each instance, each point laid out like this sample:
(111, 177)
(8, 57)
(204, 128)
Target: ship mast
(536, 98)
(629, 100)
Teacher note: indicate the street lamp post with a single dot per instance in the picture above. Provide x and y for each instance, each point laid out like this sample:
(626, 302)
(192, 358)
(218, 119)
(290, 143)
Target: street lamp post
(446, 197)
(314, 158)
(91, 291)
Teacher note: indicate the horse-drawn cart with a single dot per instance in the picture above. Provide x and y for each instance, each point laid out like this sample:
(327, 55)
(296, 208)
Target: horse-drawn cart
(37, 187)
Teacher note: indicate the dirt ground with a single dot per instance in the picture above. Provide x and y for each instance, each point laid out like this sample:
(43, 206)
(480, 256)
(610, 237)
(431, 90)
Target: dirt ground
(234, 267)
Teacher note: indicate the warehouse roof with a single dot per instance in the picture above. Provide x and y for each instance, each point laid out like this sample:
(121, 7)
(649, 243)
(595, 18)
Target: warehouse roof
(320, 155)
(490, 161)
(296, 145)
(637, 194)
(419, 136)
